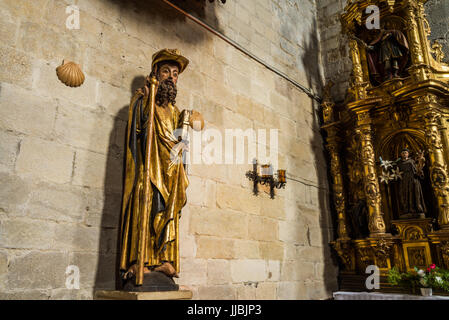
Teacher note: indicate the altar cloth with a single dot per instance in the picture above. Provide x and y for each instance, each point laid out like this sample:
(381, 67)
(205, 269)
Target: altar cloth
(346, 295)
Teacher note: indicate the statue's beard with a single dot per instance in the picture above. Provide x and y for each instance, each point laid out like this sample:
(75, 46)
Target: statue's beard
(166, 93)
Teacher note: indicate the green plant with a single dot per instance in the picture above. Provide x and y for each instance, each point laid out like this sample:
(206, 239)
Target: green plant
(433, 277)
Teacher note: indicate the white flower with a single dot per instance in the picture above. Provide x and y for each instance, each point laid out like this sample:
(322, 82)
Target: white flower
(421, 273)
(385, 177)
(438, 279)
(385, 163)
(397, 174)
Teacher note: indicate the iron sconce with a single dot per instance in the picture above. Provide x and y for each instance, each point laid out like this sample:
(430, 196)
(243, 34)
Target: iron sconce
(266, 177)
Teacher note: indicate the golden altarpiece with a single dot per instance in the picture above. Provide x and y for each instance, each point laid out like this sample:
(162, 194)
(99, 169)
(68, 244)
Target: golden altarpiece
(398, 99)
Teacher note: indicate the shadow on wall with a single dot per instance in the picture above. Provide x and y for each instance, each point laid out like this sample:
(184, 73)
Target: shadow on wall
(109, 246)
(438, 16)
(311, 61)
(157, 12)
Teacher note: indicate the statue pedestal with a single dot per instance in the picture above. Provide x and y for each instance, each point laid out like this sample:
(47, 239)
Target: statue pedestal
(156, 295)
(415, 242)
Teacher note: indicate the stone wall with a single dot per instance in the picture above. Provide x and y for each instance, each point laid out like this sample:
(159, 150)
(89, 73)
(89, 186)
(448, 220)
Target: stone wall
(438, 16)
(334, 46)
(61, 148)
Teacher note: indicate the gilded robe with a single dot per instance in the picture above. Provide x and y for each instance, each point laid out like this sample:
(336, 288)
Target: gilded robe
(168, 186)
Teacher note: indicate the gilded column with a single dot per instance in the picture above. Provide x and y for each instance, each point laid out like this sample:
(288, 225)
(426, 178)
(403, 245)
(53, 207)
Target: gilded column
(424, 31)
(418, 68)
(445, 141)
(376, 224)
(359, 84)
(333, 143)
(438, 169)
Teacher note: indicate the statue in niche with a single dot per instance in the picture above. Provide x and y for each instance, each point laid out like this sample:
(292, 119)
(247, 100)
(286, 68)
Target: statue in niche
(387, 54)
(410, 195)
(407, 173)
(155, 178)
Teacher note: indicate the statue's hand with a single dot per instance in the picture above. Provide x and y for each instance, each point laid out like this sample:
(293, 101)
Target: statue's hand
(178, 149)
(181, 146)
(196, 121)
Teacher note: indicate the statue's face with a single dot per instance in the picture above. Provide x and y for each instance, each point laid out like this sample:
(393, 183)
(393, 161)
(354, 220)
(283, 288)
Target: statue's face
(168, 70)
(404, 154)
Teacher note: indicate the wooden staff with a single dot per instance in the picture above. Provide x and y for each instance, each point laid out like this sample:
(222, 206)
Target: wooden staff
(143, 236)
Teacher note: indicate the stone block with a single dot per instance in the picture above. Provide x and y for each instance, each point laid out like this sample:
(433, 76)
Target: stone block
(22, 233)
(220, 93)
(96, 270)
(221, 223)
(246, 292)
(238, 81)
(218, 272)
(25, 111)
(9, 147)
(8, 28)
(84, 129)
(261, 228)
(103, 208)
(266, 291)
(110, 68)
(25, 295)
(15, 67)
(244, 249)
(259, 93)
(57, 202)
(271, 121)
(214, 172)
(274, 270)
(273, 208)
(27, 10)
(80, 238)
(90, 169)
(214, 248)
(37, 270)
(310, 254)
(3, 262)
(193, 272)
(248, 270)
(235, 198)
(14, 194)
(221, 292)
(271, 250)
(295, 270)
(222, 51)
(292, 232)
(114, 99)
(292, 290)
(317, 290)
(64, 294)
(187, 246)
(196, 192)
(47, 42)
(45, 160)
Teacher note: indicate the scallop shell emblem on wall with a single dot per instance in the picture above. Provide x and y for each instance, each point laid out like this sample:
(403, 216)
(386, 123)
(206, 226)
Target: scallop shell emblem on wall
(70, 74)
